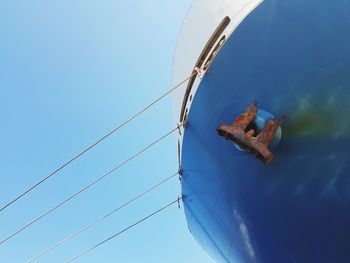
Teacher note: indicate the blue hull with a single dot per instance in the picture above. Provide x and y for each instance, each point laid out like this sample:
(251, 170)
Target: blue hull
(293, 57)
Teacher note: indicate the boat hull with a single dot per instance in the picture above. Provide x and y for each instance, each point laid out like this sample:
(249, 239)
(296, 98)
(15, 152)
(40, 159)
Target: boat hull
(293, 57)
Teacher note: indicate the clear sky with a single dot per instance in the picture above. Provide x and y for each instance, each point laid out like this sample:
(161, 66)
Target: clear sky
(70, 71)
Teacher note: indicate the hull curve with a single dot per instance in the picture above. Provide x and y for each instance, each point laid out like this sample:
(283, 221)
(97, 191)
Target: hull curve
(293, 57)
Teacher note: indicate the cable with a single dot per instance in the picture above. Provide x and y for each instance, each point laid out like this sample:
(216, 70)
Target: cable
(87, 186)
(120, 232)
(94, 144)
(99, 220)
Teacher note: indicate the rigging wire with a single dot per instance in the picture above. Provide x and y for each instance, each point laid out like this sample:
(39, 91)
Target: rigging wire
(87, 186)
(99, 220)
(122, 231)
(94, 144)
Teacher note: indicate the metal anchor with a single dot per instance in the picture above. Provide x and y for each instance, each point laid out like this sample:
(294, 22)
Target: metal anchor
(242, 132)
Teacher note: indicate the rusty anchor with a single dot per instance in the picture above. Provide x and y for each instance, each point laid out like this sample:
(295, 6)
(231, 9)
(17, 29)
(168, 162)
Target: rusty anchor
(244, 133)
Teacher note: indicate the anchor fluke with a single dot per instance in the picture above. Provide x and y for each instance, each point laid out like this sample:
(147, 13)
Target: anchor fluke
(244, 133)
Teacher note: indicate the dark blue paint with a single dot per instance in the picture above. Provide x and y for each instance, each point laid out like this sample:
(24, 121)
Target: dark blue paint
(293, 57)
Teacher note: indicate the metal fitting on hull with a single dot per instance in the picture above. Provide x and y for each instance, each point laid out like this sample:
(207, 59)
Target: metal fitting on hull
(244, 133)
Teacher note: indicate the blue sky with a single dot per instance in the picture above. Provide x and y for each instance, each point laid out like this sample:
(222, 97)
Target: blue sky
(70, 71)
